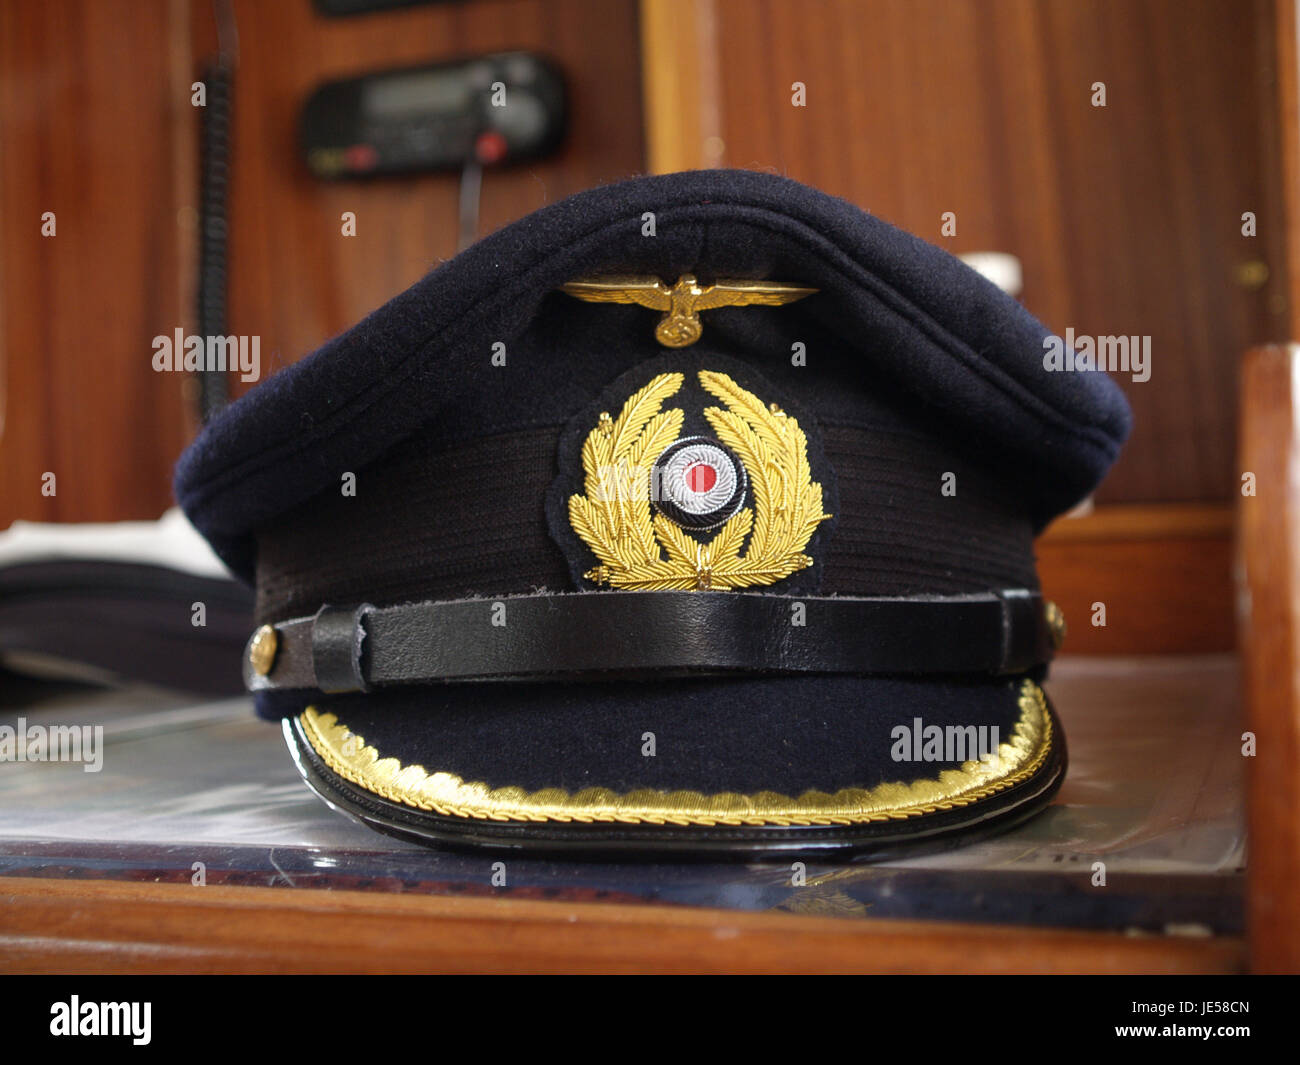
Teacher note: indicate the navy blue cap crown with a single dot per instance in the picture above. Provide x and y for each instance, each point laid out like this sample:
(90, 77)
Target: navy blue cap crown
(919, 322)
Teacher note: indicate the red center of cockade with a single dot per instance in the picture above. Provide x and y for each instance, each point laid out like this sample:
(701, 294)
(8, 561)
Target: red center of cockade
(701, 477)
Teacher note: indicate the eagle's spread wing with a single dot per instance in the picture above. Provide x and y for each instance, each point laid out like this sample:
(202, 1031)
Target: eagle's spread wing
(645, 291)
(745, 293)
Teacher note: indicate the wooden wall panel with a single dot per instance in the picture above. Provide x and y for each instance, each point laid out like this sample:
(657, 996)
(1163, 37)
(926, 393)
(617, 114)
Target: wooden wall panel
(1127, 218)
(1162, 572)
(96, 124)
(89, 124)
(1279, 31)
(296, 281)
(1269, 600)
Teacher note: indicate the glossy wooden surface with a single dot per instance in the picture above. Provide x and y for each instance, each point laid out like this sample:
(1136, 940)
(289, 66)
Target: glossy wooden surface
(1270, 619)
(55, 926)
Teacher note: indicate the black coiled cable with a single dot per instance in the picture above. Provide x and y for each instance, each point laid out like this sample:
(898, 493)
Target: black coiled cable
(215, 139)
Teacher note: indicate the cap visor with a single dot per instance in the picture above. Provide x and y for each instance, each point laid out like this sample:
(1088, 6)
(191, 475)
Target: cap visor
(709, 766)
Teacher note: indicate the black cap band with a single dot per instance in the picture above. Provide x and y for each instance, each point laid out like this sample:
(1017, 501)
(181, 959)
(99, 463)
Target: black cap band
(655, 634)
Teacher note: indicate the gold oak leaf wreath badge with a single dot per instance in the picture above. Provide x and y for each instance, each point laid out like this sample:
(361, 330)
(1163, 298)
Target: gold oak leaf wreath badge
(647, 551)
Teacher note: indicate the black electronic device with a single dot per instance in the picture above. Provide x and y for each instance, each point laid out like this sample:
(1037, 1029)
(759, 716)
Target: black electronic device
(486, 110)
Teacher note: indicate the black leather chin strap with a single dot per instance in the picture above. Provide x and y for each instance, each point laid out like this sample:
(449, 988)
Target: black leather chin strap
(652, 634)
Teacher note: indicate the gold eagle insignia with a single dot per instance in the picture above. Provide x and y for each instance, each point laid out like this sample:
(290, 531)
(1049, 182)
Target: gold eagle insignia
(682, 302)
(640, 549)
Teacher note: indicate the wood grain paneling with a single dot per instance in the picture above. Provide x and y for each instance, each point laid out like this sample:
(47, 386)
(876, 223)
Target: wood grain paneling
(1279, 29)
(96, 124)
(89, 128)
(1162, 572)
(1127, 218)
(682, 86)
(58, 926)
(296, 281)
(1270, 620)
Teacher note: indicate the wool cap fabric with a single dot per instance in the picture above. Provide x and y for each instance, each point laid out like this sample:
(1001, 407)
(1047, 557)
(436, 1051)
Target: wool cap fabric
(817, 626)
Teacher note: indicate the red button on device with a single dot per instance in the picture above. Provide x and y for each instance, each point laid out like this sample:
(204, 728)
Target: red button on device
(490, 147)
(361, 157)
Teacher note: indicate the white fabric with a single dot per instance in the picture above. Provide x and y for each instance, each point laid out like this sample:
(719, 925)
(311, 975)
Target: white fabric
(170, 541)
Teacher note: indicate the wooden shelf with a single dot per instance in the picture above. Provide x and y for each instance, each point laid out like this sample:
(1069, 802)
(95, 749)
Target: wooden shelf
(87, 927)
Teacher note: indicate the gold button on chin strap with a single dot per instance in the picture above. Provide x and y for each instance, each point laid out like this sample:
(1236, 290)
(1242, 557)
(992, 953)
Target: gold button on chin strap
(1055, 623)
(261, 650)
